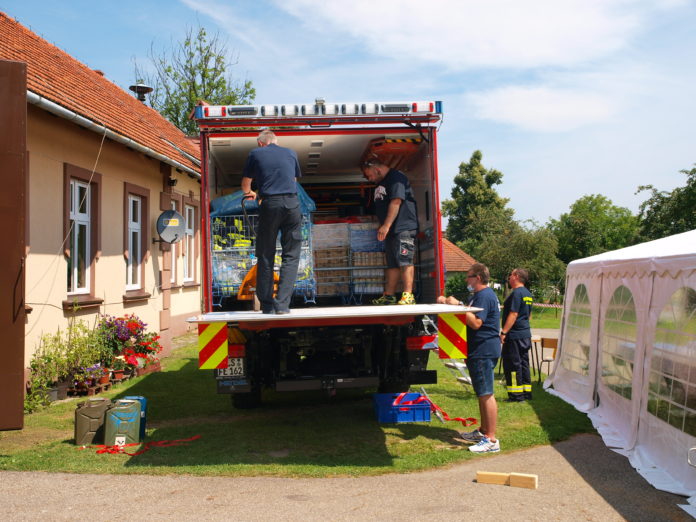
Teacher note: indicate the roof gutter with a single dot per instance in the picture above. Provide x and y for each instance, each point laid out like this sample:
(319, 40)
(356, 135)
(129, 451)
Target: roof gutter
(69, 115)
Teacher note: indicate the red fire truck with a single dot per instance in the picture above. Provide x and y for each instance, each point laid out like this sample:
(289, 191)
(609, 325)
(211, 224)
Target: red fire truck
(333, 338)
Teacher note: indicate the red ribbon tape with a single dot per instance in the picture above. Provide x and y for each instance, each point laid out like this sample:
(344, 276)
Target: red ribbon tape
(116, 450)
(468, 421)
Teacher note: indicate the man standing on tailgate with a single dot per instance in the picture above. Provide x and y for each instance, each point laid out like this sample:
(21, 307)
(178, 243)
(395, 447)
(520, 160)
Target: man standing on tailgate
(396, 211)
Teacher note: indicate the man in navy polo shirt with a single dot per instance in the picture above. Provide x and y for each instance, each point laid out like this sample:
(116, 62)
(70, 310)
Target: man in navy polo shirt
(275, 170)
(483, 346)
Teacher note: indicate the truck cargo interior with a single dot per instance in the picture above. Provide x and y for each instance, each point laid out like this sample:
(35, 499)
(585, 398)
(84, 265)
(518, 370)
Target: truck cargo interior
(340, 269)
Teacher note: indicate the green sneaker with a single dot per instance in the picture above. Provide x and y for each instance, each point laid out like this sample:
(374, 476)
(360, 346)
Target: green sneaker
(385, 300)
(407, 298)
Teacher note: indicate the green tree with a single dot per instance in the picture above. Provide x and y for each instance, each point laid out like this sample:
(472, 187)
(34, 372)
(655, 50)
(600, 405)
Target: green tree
(456, 286)
(476, 211)
(531, 247)
(593, 225)
(667, 213)
(194, 68)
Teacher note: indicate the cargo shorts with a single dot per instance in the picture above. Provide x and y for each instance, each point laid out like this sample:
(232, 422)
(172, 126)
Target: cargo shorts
(400, 248)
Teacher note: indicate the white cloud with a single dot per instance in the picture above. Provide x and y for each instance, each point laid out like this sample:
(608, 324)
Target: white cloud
(461, 34)
(542, 109)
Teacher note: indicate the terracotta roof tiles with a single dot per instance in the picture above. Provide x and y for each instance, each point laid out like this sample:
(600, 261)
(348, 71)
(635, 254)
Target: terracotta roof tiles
(456, 260)
(60, 78)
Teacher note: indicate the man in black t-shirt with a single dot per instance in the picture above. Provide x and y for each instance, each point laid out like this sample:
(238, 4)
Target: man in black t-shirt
(516, 337)
(395, 207)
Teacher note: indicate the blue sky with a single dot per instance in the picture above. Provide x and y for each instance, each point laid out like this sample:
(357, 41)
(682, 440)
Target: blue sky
(565, 97)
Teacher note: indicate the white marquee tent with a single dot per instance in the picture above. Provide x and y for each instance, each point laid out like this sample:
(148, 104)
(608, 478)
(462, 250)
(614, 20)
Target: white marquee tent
(627, 355)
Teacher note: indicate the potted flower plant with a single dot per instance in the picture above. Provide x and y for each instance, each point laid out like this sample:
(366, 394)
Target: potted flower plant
(118, 365)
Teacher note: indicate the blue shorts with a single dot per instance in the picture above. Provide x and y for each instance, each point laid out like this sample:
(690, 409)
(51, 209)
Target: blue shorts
(481, 372)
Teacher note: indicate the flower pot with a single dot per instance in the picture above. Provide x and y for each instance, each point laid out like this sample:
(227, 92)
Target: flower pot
(62, 387)
(53, 394)
(117, 375)
(104, 379)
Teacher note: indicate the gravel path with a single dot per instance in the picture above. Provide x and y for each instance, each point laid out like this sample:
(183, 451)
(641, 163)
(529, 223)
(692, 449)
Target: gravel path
(579, 479)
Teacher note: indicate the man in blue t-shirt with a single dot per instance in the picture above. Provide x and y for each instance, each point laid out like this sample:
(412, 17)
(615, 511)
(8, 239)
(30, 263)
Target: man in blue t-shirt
(483, 344)
(516, 337)
(396, 211)
(275, 171)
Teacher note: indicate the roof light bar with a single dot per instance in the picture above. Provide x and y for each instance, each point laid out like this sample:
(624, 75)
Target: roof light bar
(396, 107)
(242, 110)
(423, 106)
(269, 110)
(319, 109)
(350, 108)
(289, 110)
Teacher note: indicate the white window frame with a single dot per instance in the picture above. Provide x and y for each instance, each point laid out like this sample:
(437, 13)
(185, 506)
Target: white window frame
(134, 228)
(189, 245)
(77, 219)
(172, 250)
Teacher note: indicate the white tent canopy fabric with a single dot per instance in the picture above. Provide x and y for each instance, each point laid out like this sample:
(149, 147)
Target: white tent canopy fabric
(627, 355)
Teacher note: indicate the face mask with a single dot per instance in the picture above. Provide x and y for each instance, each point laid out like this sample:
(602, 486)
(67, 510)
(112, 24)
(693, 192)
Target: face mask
(470, 288)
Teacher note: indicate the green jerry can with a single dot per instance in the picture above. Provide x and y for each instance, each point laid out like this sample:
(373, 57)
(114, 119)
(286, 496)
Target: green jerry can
(123, 423)
(89, 421)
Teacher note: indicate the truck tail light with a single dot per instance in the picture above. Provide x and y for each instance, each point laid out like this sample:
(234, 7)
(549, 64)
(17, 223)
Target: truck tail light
(236, 350)
(421, 342)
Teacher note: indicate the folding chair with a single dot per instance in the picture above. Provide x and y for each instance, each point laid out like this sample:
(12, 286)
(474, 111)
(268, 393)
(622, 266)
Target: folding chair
(551, 344)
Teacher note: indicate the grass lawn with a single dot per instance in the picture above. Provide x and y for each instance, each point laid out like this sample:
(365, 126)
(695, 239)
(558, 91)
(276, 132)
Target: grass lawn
(546, 317)
(292, 434)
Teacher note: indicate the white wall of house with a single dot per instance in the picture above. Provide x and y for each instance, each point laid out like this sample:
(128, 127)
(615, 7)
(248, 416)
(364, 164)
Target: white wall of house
(52, 143)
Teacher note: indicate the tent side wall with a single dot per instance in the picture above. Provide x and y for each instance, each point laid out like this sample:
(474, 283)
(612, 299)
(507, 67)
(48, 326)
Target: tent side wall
(628, 354)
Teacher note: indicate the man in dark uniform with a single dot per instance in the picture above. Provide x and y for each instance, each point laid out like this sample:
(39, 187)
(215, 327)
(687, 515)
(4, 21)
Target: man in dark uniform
(516, 337)
(275, 170)
(395, 207)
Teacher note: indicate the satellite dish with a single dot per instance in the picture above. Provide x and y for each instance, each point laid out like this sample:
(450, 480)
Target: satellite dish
(171, 226)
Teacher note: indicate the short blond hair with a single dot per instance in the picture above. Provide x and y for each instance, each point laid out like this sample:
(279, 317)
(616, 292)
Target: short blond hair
(267, 136)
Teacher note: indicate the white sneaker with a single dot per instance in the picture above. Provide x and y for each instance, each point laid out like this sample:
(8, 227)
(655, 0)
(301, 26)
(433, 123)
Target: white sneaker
(485, 446)
(472, 436)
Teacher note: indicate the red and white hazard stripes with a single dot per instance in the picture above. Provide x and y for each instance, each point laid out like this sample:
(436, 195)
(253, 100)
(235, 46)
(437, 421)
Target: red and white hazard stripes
(212, 346)
(451, 337)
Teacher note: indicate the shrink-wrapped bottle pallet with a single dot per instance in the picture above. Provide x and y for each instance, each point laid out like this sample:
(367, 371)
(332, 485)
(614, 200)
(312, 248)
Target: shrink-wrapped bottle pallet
(233, 245)
(368, 280)
(331, 271)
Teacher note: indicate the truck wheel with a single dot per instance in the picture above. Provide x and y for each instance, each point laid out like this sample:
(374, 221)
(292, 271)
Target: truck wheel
(248, 400)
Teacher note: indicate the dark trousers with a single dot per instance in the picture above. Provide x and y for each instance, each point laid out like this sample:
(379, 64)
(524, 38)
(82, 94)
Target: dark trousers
(278, 214)
(516, 367)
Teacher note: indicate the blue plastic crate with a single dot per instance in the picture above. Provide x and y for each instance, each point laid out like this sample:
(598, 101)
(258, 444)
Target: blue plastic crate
(387, 412)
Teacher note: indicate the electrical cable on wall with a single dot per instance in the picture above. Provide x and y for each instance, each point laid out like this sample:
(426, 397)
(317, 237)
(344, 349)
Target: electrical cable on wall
(58, 257)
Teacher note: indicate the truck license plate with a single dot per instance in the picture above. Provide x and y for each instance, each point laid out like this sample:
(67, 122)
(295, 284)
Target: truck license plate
(235, 368)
